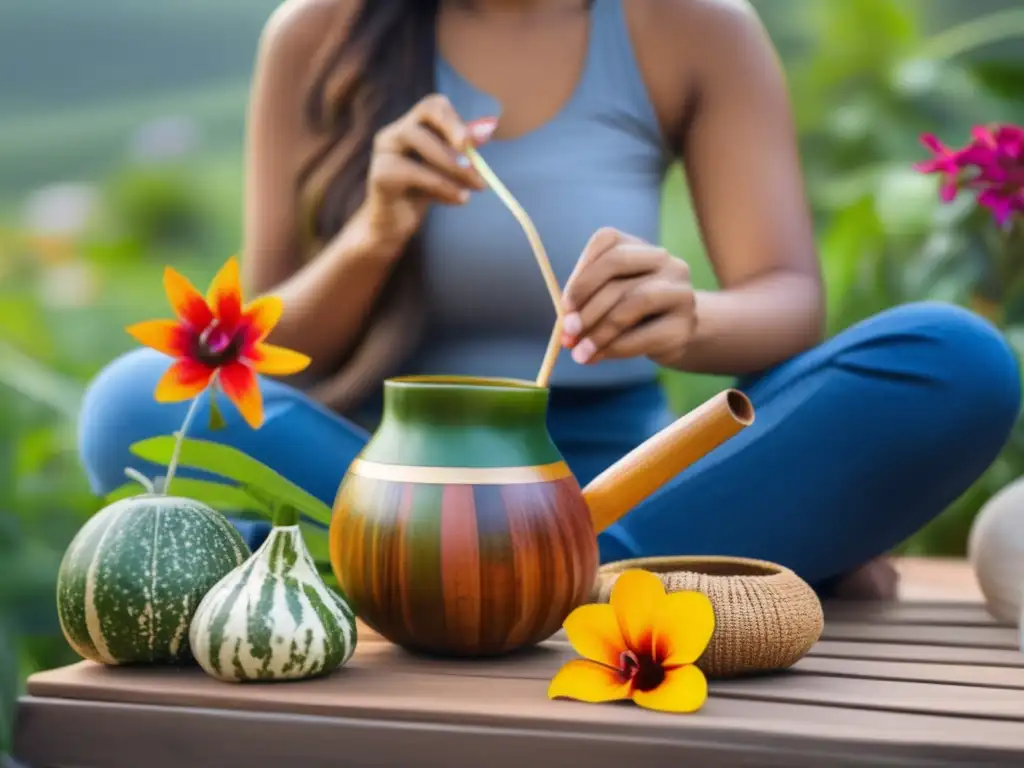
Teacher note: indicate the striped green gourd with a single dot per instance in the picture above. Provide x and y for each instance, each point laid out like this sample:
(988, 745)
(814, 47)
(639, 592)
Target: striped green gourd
(273, 618)
(133, 576)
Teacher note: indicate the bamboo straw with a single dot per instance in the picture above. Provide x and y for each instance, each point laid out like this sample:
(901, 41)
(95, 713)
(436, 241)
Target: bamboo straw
(555, 344)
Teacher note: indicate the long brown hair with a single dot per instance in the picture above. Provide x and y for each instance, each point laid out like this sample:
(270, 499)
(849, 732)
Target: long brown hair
(380, 65)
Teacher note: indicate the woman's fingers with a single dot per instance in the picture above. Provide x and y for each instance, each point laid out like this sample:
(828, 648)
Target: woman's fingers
(622, 261)
(431, 136)
(660, 336)
(398, 174)
(623, 330)
(598, 306)
(435, 152)
(437, 112)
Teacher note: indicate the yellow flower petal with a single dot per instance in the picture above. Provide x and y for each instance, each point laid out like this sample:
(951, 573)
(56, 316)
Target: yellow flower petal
(277, 361)
(166, 336)
(225, 294)
(636, 597)
(593, 632)
(186, 301)
(262, 315)
(683, 627)
(584, 680)
(182, 381)
(684, 689)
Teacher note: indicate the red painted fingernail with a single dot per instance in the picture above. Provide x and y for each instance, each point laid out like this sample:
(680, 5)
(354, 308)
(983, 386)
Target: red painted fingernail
(481, 130)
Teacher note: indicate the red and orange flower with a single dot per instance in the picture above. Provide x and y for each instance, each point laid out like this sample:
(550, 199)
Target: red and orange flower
(641, 646)
(219, 339)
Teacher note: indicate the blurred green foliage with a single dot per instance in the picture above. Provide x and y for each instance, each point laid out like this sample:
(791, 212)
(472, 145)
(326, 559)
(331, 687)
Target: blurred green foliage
(867, 77)
(866, 81)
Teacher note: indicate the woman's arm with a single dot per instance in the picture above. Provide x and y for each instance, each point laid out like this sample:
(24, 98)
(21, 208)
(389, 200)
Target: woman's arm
(413, 164)
(740, 152)
(717, 84)
(352, 266)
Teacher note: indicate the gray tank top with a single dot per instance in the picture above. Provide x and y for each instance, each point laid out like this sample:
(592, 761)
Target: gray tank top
(600, 162)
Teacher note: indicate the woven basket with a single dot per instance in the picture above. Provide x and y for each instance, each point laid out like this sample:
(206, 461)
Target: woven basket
(766, 617)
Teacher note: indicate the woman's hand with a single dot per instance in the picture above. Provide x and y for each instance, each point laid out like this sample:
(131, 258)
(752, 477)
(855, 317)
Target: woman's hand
(418, 160)
(627, 298)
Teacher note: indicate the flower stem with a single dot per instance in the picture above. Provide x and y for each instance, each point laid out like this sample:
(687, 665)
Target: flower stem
(285, 515)
(141, 479)
(172, 467)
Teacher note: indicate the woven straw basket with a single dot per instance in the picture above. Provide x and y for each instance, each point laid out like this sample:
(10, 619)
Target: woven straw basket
(766, 617)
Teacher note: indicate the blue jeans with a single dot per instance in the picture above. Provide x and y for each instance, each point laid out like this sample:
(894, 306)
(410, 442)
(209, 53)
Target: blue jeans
(856, 444)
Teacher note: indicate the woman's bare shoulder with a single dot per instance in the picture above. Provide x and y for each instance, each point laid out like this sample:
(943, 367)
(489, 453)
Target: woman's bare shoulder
(297, 29)
(703, 13)
(697, 24)
(685, 47)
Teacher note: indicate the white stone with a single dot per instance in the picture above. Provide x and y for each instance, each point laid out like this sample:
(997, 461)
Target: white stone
(996, 551)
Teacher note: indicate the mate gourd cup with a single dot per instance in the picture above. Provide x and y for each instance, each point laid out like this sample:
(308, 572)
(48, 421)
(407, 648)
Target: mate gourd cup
(460, 531)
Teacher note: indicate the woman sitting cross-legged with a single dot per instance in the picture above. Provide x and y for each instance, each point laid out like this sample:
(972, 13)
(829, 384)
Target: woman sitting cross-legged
(360, 114)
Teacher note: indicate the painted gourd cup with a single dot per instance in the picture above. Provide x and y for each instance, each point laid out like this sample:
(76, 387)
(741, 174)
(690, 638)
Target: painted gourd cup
(460, 530)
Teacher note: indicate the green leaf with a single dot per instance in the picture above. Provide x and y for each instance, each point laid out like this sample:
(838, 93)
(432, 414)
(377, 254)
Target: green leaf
(853, 239)
(216, 422)
(220, 496)
(317, 543)
(235, 465)
(1004, 79)
(267, 501)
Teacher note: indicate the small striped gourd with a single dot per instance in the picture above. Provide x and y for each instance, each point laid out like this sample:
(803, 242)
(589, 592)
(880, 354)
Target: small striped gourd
(273, 617)
(133, 576)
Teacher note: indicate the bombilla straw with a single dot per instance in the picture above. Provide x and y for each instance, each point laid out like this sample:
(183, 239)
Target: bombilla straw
(554, 345)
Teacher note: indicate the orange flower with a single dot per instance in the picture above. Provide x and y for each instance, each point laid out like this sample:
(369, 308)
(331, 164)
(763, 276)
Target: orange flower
(642, 646)
(217, 337)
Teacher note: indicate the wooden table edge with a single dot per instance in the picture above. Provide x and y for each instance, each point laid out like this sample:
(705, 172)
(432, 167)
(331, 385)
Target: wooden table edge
(55, 733)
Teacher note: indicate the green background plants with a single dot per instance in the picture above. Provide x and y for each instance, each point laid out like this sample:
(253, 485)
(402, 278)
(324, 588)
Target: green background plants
(867, 77)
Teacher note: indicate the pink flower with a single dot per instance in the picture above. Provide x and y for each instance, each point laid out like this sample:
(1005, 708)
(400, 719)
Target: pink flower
(992, 166)
(998, 153)
(945, 161)
(1003, 205)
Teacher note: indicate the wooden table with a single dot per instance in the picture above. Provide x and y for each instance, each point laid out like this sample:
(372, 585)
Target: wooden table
(928, 681)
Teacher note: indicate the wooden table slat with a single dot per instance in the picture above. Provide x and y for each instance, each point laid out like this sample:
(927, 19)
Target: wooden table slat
(372, 689)
(883, 695)
(951, 674)
(379, 661)
(949, 614)
(933, 654)
(1005, 638)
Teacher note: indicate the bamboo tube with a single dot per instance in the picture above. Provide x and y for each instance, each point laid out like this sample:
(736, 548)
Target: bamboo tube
(649, 466)
(555, 343)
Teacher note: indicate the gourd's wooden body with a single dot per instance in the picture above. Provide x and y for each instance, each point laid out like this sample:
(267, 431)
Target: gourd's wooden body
(460, 531)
